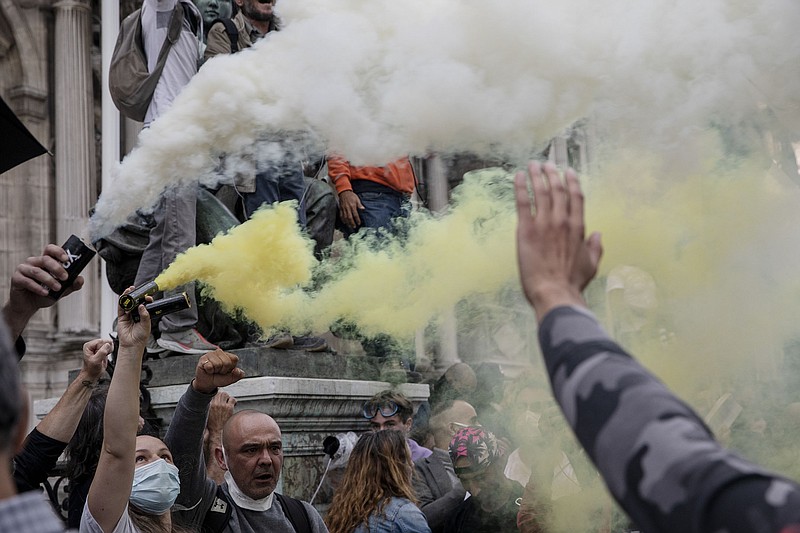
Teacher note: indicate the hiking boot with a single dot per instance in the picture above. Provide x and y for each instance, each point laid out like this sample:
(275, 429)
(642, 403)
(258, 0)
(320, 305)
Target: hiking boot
(280, 341)
(310, 344)
(188, 341)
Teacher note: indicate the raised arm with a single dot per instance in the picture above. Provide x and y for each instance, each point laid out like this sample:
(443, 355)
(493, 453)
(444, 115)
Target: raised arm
(656, 456)
(185, 434)
(62, 421)
(30, 284)
(220, 411)
(47, 441)
(113, 480)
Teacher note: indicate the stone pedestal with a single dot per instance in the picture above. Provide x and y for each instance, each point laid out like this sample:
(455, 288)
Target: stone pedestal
(280, 363)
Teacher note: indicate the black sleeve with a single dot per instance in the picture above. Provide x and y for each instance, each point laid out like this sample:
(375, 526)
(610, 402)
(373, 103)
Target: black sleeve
(36, 460)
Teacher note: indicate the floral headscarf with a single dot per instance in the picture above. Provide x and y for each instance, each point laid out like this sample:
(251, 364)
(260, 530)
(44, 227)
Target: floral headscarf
(477, 445)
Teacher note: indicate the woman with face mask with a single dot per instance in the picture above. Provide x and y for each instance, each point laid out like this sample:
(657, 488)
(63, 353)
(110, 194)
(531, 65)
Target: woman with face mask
(376, 494)
(136, 483)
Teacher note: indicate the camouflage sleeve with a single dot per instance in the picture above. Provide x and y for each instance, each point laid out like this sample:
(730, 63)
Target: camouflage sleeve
(657, 457)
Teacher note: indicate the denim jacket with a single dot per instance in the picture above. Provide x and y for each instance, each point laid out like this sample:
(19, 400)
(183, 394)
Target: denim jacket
(398, 516)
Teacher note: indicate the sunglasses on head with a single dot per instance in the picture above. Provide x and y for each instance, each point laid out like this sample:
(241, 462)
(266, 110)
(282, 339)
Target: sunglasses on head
(386, 409)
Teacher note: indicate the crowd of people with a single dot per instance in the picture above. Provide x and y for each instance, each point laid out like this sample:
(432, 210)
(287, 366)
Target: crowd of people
(220, 472)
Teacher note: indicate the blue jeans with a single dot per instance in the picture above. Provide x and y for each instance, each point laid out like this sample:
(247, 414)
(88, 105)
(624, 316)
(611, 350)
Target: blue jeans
(278, 181)
(381, 206)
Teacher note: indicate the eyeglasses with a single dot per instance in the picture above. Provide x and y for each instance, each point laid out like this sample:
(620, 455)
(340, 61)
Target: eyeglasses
(386, 409)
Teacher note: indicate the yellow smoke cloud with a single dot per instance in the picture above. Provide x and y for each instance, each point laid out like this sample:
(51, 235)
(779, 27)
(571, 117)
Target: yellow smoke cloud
(254, 267)
(385, 284)
(401, 287)
(717, 235)
(719, 243)
(696, 236)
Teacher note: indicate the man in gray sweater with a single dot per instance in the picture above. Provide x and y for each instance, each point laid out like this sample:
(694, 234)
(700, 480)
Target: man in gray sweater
(251, 455)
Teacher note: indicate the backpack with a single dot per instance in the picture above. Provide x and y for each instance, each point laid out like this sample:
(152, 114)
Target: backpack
(232, 31)
(130, 83)
(220, 512)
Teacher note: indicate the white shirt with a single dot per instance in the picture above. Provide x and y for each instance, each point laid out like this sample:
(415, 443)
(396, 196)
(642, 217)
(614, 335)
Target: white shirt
(183, 57)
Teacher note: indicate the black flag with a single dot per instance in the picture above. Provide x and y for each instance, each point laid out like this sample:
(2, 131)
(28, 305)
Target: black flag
(17, 144)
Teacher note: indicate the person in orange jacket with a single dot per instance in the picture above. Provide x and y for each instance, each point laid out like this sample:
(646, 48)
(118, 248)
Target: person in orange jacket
(371, 197)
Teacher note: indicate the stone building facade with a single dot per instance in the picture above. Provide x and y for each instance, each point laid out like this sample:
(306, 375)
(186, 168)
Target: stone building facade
(50, 65)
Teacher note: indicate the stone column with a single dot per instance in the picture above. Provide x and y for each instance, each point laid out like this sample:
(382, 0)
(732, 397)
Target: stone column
(76, 186)
(438, 193)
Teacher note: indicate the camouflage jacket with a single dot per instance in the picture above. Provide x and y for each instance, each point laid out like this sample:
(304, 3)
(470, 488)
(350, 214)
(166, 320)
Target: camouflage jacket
(658, 458)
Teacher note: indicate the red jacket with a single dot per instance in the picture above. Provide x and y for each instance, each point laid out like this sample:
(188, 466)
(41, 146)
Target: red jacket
(397, 175)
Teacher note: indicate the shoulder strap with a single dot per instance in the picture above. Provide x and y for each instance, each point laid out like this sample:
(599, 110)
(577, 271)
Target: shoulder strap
(218, 514)
(191, 16)
(232, 31)
(296, 511)
(175, 26)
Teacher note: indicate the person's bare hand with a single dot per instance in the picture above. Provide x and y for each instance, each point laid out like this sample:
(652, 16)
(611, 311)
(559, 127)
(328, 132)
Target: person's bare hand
(95, 358)
(133, 334)
(556, 262)
(33, 278)
(220, 410)
(349, 206)
(216, 369)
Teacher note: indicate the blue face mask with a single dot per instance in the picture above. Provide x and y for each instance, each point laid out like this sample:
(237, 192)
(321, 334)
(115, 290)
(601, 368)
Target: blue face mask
(155, 487)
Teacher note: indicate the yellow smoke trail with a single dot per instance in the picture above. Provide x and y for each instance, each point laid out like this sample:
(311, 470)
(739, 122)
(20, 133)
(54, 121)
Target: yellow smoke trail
(400, 288)
(693, 235)
(254, 267)
(264, 268)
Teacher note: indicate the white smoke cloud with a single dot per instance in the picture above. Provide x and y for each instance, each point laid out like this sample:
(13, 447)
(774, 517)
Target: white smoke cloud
(375, 80)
